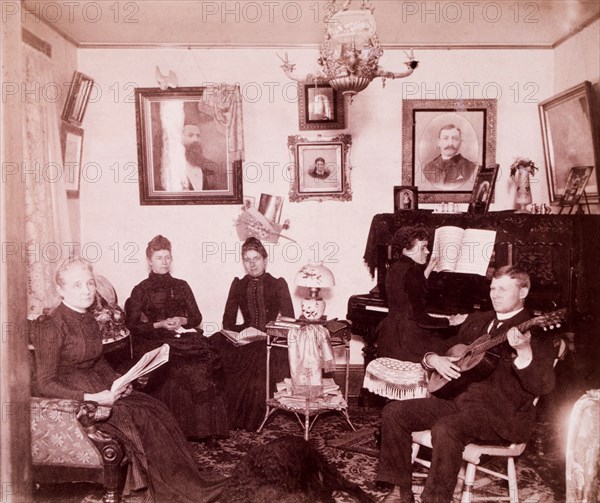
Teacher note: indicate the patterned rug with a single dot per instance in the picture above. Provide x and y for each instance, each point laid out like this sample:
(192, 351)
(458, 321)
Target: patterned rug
(541, 477)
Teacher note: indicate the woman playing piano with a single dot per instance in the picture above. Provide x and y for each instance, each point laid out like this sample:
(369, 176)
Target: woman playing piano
(408, 332)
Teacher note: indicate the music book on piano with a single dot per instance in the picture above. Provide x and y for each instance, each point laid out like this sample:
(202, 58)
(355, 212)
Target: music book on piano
(463, 250)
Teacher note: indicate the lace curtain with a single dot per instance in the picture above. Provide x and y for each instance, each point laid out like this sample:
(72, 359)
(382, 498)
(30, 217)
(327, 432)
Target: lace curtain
(224, 103)
(48, 235)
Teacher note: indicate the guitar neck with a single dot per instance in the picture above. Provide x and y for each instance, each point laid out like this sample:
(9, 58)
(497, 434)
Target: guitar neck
(482, 347)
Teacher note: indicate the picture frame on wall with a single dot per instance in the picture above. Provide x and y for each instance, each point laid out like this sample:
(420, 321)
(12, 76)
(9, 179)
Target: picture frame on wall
(406, 197)
(71, 142)
(77, 99)
(575, 187)
(571, 137)
(483, 189)
(184, 152)
(444, 143)
(320, 107)
(321, 168)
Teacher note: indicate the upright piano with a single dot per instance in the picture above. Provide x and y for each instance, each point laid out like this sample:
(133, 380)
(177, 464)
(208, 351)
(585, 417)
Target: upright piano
(556, 250)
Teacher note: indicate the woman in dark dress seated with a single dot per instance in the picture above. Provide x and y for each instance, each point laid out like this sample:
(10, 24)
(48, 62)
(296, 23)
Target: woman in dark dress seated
(408, 332)
(260, 297)
(70, 365)
(158, 311)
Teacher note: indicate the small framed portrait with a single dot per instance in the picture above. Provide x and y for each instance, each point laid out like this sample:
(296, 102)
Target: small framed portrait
(320, 107)
(189, 149)
(248, 202)
(483, 189)
(575, 185)
(77, 99)
(321, 168)
(571, 135)
(445, 141)
(71, 142)
(406, 197)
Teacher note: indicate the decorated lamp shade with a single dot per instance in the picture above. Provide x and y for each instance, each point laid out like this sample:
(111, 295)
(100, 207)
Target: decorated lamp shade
(314, 276)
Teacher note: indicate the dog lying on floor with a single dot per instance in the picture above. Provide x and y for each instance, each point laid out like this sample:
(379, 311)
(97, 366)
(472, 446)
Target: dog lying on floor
(287, 470)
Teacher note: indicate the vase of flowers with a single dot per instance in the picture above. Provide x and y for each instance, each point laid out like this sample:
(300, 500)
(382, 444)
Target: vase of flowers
(520, 171)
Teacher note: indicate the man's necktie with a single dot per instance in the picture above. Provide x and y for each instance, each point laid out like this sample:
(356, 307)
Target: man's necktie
(494, 326)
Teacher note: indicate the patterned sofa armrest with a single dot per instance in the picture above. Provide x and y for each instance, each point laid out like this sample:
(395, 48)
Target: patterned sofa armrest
(64, 434)
(61, 431)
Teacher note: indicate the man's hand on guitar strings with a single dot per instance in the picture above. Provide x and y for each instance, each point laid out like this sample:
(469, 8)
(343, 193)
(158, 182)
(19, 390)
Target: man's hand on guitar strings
(445, 366)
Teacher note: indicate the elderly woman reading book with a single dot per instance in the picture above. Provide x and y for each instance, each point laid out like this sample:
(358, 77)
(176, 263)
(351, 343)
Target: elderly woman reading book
(70, 364)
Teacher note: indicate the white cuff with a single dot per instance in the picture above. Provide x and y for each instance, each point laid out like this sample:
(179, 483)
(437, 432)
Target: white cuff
(521, 363)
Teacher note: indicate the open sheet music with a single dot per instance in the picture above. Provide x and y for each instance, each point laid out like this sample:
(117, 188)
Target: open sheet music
(147, 363)
(463, 250)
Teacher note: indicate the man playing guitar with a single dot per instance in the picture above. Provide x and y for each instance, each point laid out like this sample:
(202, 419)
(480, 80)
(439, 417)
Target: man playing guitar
(497, 409)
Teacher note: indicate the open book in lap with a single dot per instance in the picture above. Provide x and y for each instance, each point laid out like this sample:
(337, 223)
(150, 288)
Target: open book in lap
(246, 336)
(463, 250)
(147, 363)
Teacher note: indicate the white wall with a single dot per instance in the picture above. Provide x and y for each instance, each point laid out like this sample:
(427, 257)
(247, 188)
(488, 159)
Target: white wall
(114, 223)
(578, 59)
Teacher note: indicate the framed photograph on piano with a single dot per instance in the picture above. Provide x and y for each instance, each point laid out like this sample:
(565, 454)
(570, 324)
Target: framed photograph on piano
(406, 197)
(483, 189)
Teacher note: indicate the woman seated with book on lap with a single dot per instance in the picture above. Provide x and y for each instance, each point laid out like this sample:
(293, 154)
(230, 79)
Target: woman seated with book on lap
(70, 365)
(260, 298)
(408, 332)
(163, 309)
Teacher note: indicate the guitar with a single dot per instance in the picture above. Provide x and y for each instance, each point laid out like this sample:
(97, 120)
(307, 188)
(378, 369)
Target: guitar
(474, 361)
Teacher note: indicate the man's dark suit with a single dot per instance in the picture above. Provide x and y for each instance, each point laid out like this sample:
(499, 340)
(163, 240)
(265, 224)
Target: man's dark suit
(456, 170)
(497, 409)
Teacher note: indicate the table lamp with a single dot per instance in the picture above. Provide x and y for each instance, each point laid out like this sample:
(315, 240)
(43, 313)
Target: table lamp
(314, 276)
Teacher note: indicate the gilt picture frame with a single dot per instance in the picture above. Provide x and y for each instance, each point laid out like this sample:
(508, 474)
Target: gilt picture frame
(77, 99)
(571, 137)
(320, 168)
(184, 152)
(444, 143)
(320, 107)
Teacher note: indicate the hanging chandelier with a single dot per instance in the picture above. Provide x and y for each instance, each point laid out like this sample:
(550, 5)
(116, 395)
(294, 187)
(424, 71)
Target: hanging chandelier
(349, 55)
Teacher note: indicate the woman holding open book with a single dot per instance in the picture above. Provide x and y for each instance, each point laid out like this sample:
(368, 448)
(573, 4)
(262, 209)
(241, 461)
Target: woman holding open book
(163, 309)
(260, 298)
(70, 365)
(408, 332)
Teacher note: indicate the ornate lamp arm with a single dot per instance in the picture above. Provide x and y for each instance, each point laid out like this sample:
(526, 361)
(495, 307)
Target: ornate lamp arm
(411, 64)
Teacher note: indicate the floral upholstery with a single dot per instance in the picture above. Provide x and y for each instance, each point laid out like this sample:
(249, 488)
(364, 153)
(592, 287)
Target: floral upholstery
(57, 437)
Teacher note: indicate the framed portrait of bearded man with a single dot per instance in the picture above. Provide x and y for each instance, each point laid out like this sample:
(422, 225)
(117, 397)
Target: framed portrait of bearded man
(189, 151)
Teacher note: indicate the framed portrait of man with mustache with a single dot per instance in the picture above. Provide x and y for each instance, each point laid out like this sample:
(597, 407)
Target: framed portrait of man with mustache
(445, 142)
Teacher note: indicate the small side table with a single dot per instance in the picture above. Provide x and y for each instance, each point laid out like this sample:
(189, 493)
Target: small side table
(277, 336)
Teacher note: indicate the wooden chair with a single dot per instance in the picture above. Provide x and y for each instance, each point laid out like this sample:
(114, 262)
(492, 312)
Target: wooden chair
(472, 457)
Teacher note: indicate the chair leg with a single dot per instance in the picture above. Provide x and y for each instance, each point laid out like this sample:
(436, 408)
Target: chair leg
(307, 419)
(513, 489)
(467, 495)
